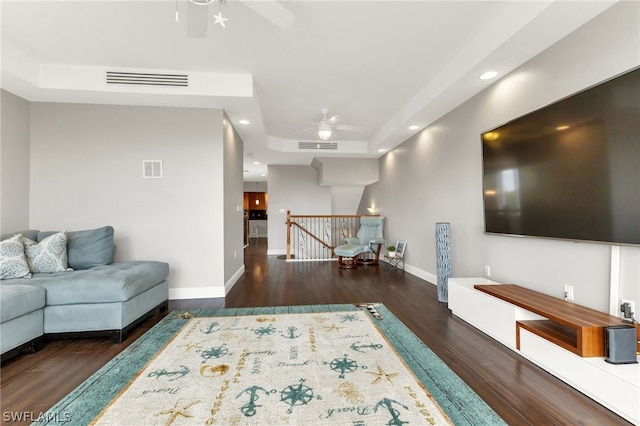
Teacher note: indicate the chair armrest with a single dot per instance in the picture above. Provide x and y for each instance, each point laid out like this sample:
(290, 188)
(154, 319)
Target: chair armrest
(376, 241)
(352, 240)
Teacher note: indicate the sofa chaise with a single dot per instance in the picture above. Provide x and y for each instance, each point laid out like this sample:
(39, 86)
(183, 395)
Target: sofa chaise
(88, 295)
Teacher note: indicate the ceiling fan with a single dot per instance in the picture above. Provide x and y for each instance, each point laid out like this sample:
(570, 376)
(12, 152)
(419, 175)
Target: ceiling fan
(199, 13)
(326, 126)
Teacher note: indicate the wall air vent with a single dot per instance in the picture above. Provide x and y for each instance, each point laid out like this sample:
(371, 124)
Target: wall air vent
(147, 79)
(152, 169)
(318, 145)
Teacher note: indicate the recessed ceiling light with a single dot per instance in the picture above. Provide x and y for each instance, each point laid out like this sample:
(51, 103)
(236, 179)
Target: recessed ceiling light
(256, 162)
(414, 127)
(488, 75)
(381, 150)
(244, 121)
(263, 175)
(563, 127)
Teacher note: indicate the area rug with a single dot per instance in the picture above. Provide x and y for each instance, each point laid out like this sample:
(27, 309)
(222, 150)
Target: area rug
(314, 365)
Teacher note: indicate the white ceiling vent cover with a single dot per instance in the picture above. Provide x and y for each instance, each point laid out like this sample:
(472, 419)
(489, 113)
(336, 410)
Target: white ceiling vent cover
(147, 79)
(152, 169)
(318, 145)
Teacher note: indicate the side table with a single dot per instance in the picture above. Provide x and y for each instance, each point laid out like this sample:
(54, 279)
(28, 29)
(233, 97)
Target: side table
(394, 263)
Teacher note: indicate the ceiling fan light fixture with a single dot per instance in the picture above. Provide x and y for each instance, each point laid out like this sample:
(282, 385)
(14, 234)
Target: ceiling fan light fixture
(324, 131)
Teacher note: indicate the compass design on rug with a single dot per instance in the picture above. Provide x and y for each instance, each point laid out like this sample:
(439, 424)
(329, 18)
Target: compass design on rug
(215, 352)
(344, 365)
(299, 394)
(265, 331)
(349, 318)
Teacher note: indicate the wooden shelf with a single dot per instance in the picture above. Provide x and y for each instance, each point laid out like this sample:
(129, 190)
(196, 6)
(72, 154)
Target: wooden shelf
(573, 327)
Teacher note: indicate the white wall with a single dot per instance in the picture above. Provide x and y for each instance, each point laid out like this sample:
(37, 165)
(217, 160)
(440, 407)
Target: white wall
(86, 171)
(14, 163)
(436, 175)
(293, 188)
(345, 199)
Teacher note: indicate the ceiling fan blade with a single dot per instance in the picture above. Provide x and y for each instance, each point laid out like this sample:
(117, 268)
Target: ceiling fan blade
(349, 128)
(197, 19)
(314, 129)
(272, 11)
(333, 120)
(306, 122)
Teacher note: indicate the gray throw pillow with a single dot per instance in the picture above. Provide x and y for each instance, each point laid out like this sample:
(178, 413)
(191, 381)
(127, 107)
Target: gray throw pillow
(89, 248)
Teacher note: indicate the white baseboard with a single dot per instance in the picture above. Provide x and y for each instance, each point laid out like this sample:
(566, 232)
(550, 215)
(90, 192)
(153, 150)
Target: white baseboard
(232, 281)
(427, 276)
(205, 292)
(216, 292)
(276, 252)
(196, 293)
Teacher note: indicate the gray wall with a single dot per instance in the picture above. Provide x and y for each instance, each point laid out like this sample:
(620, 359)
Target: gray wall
(14, 163)
(86, 171)
(233, 225)
(293, 188)
(436, 175)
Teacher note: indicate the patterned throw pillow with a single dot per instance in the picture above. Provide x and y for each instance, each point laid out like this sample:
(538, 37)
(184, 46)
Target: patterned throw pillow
(13, 263)
(47, 256)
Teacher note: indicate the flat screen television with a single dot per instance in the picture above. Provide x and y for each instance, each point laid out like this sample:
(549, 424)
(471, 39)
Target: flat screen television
(570, 170)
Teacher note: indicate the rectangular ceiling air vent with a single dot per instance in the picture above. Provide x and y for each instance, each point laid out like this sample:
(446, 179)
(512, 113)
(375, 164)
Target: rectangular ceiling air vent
(318, 145)
(147, 79)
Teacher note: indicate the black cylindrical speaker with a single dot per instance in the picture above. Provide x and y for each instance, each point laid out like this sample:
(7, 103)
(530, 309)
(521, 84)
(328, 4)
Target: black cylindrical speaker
(620, 344)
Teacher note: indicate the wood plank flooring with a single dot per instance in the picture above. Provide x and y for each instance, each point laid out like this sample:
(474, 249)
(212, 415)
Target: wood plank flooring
(520, 392)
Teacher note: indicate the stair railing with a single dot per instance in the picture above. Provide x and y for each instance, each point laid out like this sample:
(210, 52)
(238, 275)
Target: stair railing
(313, 237)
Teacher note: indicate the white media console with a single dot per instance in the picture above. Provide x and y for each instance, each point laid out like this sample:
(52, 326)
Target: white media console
(616, 387)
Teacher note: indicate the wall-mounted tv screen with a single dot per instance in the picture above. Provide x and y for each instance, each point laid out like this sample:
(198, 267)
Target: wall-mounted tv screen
(570, 170)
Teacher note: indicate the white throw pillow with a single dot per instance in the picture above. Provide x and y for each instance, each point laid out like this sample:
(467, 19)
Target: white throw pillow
(47, 256)
(13, 263)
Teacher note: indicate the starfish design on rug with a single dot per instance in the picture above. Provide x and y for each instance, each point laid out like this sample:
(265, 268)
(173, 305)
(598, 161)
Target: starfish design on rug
(381, 374)
(191, 346)
(333, 328)
(177, 411)
(184, 315)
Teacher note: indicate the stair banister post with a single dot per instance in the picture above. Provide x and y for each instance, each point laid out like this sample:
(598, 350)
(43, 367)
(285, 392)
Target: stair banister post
(288, 234)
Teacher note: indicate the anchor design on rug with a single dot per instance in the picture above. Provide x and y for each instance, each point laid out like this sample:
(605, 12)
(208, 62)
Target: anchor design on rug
(356, 347)
(395, 414)
(265, 331)
(211, 327)
(215, 352)
(249, 409)
(292, 333)
(299, 394)
(163, 372)
(344, 365)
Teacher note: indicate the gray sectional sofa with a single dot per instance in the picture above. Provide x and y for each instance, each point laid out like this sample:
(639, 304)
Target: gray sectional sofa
(89, 295)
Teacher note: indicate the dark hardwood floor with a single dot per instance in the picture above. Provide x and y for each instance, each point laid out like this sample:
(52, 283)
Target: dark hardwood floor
(520, 392)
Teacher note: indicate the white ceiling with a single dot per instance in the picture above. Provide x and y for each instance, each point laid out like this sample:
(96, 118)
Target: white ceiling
(379, 65)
